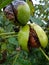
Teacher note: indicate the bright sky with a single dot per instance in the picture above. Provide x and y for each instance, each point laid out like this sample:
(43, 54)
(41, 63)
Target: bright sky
(35, 1)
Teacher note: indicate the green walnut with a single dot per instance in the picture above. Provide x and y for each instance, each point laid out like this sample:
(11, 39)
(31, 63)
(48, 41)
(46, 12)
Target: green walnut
(19, 11)
(23, 13)
(23, 36)
(32, 36)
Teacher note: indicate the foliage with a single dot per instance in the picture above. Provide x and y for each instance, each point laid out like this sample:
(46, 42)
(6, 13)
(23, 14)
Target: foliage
(42, 9)
(3, 3)
(10, 45)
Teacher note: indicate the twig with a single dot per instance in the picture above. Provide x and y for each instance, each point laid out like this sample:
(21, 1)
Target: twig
(44, 53)
(9, 36)
(16, 58)
(9, 33)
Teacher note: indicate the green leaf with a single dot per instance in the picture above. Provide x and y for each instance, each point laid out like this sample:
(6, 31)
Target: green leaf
(3, 47)
(37, 21)
(13, 41)
(4, 3)
(30, 3)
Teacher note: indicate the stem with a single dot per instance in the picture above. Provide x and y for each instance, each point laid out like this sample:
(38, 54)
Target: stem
(9, 33)
(16, 58)
(44, 53)
(10, 36)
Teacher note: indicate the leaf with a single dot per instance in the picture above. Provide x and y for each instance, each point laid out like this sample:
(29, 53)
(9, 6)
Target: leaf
(3, 47)
(16, 57)
(13, 41)
(37, 21)
(4, 3)
(30, 3)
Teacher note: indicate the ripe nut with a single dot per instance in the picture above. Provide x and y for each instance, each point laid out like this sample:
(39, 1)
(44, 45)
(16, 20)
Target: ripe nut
(32, 36)
(41, 35)
(19, 10)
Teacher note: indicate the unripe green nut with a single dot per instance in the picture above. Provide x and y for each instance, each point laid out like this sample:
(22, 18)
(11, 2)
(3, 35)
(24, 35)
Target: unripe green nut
(18, 12)
(23, 36)
(22, 12)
